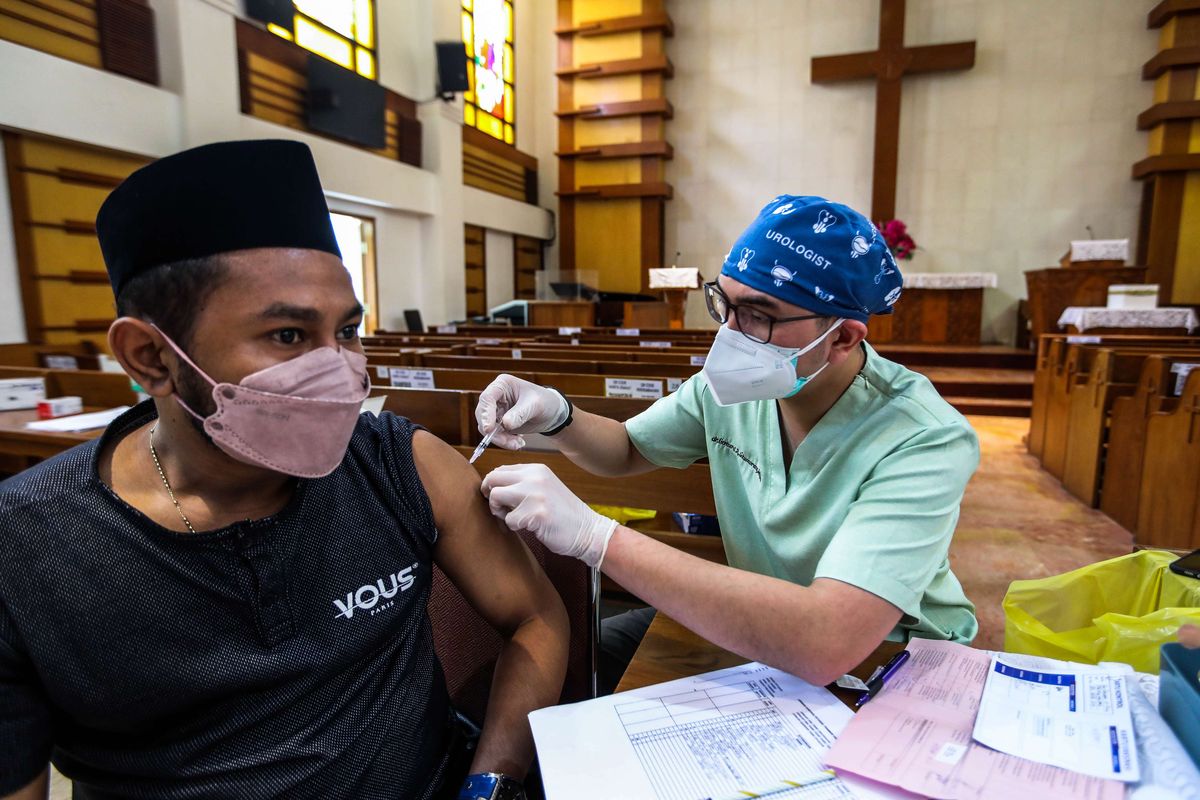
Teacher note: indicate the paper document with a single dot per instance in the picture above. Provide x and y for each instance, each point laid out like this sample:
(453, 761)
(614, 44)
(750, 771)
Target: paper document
(78, 422)
(710, 736)
(916, 734)
(373, 405)
(1054, 712)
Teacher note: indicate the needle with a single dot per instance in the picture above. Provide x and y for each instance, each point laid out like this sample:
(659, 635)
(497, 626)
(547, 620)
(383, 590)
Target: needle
(484, 444)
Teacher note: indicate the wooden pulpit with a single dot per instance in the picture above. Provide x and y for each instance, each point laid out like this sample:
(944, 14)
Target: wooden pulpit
(1053, 289)
(675, 283)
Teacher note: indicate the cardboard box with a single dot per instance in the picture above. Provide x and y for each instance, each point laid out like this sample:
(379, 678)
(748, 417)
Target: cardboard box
(21, 393)
(1139, 296)
(59, 407)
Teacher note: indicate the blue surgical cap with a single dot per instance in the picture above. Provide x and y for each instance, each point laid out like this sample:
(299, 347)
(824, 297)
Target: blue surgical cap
(819, 255)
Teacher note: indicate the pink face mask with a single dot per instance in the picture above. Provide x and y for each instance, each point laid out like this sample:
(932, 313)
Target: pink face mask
(296, 417)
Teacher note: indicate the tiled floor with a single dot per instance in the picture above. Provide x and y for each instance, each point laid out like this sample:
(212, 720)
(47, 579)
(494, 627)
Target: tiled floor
(1017, 522)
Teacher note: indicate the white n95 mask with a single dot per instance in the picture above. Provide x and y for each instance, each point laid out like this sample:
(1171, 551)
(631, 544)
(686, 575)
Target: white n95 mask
(739, 369)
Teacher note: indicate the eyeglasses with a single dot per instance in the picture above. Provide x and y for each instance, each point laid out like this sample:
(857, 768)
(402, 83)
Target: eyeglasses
(751, 322)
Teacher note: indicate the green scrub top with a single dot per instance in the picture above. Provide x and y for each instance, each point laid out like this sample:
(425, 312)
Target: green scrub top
(871, 498)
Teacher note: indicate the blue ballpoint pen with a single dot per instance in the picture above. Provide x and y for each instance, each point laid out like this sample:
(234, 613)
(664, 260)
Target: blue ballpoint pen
(889, 669)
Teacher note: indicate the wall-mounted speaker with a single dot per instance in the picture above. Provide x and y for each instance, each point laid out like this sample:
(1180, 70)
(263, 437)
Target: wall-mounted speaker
(451, 67)
(345, 105)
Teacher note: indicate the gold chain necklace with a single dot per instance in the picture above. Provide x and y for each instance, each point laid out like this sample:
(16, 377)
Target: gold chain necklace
(163, 475)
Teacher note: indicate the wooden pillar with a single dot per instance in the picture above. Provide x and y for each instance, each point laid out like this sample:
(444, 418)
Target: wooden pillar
(612, 111)
(1170, 227)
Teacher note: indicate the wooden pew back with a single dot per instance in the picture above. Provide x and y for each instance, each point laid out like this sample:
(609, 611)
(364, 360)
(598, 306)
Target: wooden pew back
(30, 355)
(1167, 507)
(1113, 373)
(623, 369)
(1049, 370)
(1076, 363)
(1121, 481)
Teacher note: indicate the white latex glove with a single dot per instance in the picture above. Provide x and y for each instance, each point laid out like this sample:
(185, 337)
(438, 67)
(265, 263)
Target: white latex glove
(522, 407)
(529, 497)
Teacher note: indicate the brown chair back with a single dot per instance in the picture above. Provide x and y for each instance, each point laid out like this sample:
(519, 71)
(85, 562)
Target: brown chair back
(468, 646)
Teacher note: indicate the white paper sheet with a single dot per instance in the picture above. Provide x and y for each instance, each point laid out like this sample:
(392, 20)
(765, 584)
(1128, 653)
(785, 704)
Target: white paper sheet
(1074, 716)
(736, 729)
(78, 422)
(373, 405)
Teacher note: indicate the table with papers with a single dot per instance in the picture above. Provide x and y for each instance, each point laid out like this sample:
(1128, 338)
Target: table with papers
(745, 726)
(18, 441)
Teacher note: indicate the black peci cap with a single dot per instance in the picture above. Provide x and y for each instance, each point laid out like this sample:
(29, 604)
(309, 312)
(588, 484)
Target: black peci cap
(212, 199)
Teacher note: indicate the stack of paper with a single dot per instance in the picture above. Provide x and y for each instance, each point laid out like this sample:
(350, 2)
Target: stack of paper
(78, 422)
(917, 734)
(1067, 715)
(729, 733)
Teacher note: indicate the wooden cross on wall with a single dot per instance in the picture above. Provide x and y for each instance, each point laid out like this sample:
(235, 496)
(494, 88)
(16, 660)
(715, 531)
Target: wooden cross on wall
(888, 65)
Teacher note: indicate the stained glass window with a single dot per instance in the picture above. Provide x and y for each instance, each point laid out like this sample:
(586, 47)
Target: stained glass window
(341, 30)
(488, 104)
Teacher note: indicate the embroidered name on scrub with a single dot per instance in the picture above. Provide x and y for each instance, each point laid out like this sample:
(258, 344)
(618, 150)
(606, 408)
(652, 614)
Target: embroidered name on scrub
(737, 452)
(368, 595)
(791, 244)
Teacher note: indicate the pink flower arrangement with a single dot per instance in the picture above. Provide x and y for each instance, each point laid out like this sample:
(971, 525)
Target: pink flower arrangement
(895, 234)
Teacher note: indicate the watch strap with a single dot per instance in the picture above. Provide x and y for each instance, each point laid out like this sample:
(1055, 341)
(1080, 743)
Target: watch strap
(570, 414)
(491, 786)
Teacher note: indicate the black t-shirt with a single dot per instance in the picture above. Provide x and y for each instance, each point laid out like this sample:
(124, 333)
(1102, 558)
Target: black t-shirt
(290, 656)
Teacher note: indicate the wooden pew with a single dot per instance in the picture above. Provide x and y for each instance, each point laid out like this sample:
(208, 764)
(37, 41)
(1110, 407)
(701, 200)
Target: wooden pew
(1114, 373)
(1050, 375)
(648, 355)
(1076, 364)
(623, 369)
(478, 379)
(1167, 505)
(30, 355)
(1121, 481)
(552, 330)
(450, 414)
(446, 413)
(1051, 351)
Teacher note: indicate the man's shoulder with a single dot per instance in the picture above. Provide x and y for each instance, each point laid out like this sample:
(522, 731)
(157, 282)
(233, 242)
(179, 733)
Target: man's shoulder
(46, 501)
(382, 436)
(65, 477)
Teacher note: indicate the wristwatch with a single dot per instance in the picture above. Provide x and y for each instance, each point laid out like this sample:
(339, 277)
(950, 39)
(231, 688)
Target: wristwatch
(570, 415)
(491, 786)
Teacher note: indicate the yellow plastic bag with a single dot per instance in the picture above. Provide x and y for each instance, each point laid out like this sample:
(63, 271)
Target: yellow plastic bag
(1122, 609)
(624, 515)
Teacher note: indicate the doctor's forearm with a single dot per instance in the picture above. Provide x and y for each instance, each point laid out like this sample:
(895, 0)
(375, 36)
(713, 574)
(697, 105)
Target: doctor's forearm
(601, 446)
(756, 616)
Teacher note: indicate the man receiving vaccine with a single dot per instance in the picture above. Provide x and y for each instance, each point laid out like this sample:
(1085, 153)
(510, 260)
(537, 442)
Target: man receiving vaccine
(225, 595)
(837, 474)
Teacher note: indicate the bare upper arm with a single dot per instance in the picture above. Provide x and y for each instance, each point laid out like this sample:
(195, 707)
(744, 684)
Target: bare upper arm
(37, 789)
(492, 568)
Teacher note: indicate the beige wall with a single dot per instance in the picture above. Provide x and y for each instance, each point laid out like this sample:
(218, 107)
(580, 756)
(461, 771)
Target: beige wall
(999, 166)
(419, 213)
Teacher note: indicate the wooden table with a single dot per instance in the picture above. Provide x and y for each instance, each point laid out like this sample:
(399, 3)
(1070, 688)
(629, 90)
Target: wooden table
(670, 651)
(20, 447)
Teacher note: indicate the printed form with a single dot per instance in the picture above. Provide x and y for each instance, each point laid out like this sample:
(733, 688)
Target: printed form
(710, 736)
(917, 734)
(1067, 715)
